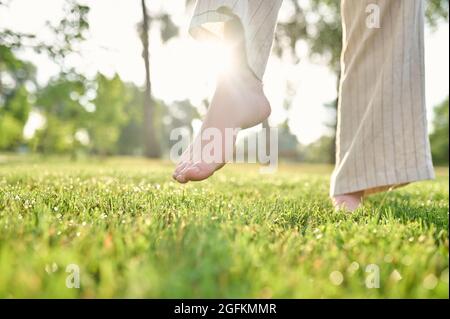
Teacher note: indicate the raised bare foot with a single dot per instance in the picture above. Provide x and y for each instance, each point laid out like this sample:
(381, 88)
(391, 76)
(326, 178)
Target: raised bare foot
(238, 103)
(349, 202)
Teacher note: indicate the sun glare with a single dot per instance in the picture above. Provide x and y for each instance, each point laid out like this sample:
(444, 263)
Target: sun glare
(217, 55)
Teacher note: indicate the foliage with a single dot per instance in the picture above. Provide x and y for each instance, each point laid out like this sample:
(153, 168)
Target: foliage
(318, 24)
(316, 152)
(323, 37)
(56, 137)
(15, 106)
(10, 131)
(61, 103)
(288, 145)
(131, 138)
(439, 137)
(109, 116)
(66, 35)
(437, 11)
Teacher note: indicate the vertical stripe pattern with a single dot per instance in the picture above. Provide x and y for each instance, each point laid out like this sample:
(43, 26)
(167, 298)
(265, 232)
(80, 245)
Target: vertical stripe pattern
(382, 137)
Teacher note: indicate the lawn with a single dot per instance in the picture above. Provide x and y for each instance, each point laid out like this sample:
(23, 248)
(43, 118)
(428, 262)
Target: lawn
(133, 232)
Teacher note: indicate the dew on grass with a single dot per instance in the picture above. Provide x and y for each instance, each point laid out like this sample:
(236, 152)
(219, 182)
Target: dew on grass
(395, 276)
(354, 266)
(430, 282)
(336, 278)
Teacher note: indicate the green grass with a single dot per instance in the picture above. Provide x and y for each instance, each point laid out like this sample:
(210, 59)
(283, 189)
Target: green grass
(135, 233)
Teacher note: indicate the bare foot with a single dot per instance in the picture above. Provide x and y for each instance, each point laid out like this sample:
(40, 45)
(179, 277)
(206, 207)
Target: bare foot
(349, 202)
(238, 103)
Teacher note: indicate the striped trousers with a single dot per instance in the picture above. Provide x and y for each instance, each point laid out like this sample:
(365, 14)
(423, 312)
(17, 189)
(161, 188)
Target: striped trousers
(382, 137)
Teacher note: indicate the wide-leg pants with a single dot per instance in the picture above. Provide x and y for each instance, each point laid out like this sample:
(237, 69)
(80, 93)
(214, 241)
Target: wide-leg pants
(382, 138)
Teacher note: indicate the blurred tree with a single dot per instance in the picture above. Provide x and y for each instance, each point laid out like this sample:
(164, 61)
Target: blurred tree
(317, 25)
(439, 136)
(288, 145)
(106, 122)
(59, 99)
(61, 102)
(62, 39)
(15, 75)
(131, 138)
(151, 143)
(167, 30)
(56, 137)
(437, 11)
(10, 131)
(178, 114)
(316, 151)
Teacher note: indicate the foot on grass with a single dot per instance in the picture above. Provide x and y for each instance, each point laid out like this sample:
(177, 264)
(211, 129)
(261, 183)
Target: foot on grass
(349, 202)
(238, 103)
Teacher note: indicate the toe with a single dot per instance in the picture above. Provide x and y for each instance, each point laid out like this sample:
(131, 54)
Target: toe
(181, 176)
(179, 168)
(198, 172)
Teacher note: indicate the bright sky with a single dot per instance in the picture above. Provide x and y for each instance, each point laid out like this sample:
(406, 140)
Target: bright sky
(184, 68)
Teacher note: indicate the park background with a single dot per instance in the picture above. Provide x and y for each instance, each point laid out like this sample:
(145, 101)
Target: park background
(89, 93)
(73, 77)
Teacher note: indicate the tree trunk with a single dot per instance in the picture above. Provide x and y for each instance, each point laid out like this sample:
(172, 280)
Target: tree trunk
(151, 146)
